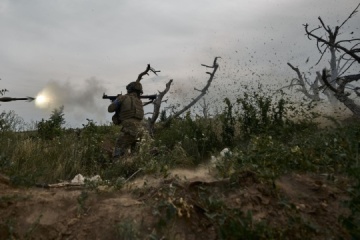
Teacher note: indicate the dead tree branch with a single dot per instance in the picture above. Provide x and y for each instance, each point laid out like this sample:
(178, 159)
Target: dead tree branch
(311, 93)
(332, 83)
(157, 104)
(146, 72)
(340, 93)
(351, 15)
(159, 100)
(332, 35)
(356, 90)
(202, 92)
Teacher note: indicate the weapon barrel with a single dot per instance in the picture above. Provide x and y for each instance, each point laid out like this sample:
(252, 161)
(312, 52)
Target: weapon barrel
(112, 98)
(152, 97)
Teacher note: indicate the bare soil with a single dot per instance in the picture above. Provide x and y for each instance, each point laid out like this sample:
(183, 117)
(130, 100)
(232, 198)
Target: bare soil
(141, 208)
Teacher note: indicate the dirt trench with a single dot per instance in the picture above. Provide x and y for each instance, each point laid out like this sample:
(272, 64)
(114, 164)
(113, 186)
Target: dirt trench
(137, 210)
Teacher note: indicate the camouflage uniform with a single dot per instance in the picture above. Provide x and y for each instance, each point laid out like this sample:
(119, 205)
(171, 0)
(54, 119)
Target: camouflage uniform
(129, 113)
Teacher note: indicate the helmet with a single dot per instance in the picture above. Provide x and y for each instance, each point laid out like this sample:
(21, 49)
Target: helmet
(134, 87)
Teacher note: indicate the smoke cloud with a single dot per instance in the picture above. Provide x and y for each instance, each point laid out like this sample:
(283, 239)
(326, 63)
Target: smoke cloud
(79, 101)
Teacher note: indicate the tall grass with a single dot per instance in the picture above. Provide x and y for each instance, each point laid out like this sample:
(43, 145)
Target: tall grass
(260, 130)
(257, 128)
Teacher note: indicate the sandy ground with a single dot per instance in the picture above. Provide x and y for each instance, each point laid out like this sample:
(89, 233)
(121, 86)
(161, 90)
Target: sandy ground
(136, 209)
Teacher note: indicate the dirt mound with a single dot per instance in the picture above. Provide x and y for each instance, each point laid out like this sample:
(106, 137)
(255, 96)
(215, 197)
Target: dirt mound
(187, 204)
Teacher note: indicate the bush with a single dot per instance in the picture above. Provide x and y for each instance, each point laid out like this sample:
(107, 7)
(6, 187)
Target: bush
(10, 121)
(51, 128)
(197, 137)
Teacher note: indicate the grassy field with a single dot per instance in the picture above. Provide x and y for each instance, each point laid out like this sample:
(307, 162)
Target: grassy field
(267, 139)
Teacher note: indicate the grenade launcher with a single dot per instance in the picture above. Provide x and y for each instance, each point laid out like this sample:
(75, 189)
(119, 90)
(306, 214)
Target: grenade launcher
(150, 97)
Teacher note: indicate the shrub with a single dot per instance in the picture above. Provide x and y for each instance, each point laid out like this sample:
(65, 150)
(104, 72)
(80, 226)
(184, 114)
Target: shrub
(51, 128)
(197, 137)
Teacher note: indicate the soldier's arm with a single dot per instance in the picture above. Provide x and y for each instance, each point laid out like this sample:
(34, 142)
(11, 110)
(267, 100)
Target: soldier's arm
(115, 105)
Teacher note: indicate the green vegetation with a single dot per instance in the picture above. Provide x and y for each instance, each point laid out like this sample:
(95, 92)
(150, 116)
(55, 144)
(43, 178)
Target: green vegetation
(267, 136)
(127, 230)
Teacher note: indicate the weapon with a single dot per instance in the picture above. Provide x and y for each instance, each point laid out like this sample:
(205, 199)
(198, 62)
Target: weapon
(150, 97)
(9, 99)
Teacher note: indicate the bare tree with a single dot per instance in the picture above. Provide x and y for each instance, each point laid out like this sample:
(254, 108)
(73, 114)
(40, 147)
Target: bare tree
(349, 50)
(316, 88)
(348, 53)
(157, 105)
(159, 100)
(343, 55)
(340, 92)
(202, 91)
(311, 90)
(146, 72)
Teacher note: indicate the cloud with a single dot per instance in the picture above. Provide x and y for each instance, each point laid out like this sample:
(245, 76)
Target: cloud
(114, 40)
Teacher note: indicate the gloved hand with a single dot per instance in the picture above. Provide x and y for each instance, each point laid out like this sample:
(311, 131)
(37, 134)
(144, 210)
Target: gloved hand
(116, 102)
(114, 106)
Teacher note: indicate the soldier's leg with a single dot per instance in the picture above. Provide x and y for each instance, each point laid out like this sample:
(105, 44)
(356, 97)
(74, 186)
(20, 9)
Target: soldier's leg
(133, 147)
(138, 134)
(123, 143)
(132, 130)
(119, 149)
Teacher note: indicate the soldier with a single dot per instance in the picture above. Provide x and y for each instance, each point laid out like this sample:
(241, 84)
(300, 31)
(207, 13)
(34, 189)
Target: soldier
(129, 112)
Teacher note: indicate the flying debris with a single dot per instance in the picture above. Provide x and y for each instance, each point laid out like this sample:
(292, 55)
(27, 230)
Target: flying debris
(9, 99)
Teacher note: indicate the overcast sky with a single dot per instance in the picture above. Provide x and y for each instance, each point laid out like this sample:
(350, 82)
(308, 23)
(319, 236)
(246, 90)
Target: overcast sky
(82, 48)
